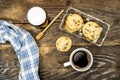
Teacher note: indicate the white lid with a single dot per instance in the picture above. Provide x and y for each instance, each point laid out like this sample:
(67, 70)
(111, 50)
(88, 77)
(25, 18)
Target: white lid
(36, 16)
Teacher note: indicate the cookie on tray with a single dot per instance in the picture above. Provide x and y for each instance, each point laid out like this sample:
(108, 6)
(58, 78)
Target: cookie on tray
(67, 28)
(91, 30)
(63, 44)
(74, 22)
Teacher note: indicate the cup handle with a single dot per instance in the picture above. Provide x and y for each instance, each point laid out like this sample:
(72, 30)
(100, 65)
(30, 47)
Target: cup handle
(66, 64)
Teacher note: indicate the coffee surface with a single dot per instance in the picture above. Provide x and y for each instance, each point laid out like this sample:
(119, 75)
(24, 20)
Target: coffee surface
(80, 59)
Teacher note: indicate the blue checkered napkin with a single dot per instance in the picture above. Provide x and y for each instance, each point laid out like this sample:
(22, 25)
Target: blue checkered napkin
(25, 47)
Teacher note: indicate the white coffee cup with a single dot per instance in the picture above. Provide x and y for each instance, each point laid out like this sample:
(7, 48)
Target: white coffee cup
(77, 68)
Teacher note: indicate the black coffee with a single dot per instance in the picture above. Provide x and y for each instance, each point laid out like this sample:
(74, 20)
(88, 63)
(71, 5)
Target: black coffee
(80, 59)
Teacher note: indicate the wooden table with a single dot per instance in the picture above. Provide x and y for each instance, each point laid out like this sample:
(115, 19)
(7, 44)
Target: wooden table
(106, 64)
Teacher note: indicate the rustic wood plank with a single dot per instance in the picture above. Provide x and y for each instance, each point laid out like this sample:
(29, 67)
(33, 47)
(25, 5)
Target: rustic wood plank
(66, 74)
(104, 67)
(70, 74)
(99, 7)
(50, 58)
(103, 57)
(16, 10)
(53, 33)
(105, 64)
(19, 8)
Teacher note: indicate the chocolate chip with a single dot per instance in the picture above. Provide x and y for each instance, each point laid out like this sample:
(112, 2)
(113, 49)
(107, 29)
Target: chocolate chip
(66, 44)
(65, 48)
(66, 38)
(75, 22)
(89, 24)
(92, 36)
(88, 30)
(96, 26)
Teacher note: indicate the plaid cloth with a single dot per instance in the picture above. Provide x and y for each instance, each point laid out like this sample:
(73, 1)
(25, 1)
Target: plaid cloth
(25, 47)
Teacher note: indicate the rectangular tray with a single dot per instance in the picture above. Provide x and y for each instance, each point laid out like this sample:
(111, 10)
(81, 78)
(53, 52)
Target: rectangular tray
(86, 17)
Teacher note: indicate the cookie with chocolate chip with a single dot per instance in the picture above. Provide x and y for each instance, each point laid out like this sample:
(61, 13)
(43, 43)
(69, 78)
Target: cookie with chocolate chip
(69, 30)
(63, 44)
(74, 22)
(91, 30)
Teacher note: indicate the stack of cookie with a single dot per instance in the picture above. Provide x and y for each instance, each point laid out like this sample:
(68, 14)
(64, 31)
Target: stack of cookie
(74, 22)
(90, 30)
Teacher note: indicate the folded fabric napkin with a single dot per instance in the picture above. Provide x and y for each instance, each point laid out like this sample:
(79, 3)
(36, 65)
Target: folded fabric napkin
(25, 47)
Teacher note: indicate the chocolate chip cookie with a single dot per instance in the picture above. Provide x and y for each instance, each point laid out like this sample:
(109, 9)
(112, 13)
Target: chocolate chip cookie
(63, 44)
(91, 30)
(74, 22)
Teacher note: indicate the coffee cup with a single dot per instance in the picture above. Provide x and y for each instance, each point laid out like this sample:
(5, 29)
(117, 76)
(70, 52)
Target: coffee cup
(80, 59)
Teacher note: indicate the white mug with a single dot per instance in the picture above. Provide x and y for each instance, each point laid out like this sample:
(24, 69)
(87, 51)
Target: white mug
(76, 67)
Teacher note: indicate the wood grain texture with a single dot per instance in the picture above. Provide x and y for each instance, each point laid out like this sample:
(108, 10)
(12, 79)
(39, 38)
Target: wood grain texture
(16, 10)
(106, 58)
(51, 63)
